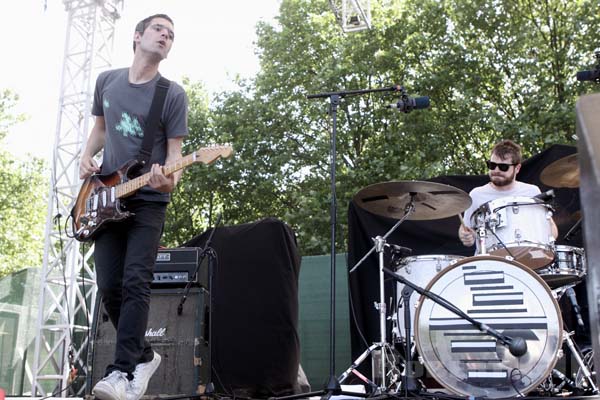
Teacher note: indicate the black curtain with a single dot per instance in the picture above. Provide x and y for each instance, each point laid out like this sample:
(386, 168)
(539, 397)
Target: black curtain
(255, 344)
(437, 237)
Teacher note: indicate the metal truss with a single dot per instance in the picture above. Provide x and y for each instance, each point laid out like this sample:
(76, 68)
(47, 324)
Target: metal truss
(352, 15)
(67, 289)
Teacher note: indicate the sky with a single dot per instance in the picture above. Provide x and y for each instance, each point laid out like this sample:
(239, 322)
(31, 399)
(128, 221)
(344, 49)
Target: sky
(214, 42)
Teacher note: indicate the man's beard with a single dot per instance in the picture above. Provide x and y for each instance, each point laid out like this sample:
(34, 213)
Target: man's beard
(501, 181)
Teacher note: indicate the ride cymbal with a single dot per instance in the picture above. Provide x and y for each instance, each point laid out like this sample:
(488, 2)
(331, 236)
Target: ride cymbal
(431, 200)
(563, 172)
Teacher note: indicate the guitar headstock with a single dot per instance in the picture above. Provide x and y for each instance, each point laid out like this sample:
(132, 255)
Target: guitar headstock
(212, 153)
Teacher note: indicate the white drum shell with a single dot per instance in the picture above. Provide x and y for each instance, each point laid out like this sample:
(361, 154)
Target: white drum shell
(522, 225)
(419, 270)
(569, 267)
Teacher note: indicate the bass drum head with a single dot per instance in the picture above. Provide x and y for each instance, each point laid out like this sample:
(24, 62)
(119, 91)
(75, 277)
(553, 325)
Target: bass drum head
(508, 297)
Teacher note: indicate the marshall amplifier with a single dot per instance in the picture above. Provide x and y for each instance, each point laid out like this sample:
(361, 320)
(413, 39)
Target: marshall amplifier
(181, 340)
(176, 267)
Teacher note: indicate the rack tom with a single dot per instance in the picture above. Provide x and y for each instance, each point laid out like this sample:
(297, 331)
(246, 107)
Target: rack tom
(519, 227)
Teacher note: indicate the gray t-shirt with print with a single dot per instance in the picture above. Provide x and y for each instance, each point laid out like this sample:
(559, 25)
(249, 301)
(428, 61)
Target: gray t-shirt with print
(125, 108)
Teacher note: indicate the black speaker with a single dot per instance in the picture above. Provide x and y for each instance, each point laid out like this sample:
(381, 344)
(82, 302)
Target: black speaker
(181, 340)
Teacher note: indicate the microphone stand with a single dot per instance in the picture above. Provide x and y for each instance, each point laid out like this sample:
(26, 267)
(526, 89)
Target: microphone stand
(333, 386)
(203, 254)
(574, 229)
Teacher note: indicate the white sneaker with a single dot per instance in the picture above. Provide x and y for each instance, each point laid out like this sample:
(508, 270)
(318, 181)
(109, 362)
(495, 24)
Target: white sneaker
(142, 374)
(112, 387)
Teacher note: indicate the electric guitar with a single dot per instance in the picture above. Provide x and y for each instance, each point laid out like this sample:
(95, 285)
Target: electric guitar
(99, 199)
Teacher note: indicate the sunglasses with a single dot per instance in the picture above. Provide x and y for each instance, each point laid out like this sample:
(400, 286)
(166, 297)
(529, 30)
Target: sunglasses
(503, 167)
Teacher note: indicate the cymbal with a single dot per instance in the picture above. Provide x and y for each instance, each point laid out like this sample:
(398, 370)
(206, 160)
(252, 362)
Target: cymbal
(431, 200)
(563, 172)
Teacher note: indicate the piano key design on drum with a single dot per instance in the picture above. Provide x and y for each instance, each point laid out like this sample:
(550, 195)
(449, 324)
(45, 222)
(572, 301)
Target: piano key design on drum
(509, 298)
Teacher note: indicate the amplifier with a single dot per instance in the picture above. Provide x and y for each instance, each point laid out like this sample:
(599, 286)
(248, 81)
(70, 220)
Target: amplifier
(182, 340)
(176, 267)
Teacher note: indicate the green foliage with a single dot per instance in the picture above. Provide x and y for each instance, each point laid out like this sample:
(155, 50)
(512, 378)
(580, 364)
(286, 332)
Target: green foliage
(22, 202)
(493, 69)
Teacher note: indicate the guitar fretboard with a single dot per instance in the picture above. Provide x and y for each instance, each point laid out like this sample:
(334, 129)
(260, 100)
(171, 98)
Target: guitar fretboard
(127, 188)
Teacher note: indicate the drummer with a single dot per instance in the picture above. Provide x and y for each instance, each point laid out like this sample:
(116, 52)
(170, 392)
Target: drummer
(504, 165)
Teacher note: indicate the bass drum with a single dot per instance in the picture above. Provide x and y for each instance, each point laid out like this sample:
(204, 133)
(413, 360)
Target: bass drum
(419, 270)
(508, 297)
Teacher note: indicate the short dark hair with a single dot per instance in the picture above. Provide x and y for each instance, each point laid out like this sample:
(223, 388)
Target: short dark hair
(506, 148)
(143, 24)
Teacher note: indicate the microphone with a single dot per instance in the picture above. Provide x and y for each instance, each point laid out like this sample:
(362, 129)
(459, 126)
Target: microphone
(407, 104)
(556, 373)
(545, 196)
(593, 75)
(573, 298)
(517, 346)
(400, 250)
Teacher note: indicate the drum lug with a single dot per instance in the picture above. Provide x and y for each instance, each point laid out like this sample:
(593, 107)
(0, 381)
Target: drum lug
(560, 353)
(518, 235)
(515, 209)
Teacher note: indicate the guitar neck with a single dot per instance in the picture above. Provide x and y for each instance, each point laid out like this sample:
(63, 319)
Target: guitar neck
(126, 188)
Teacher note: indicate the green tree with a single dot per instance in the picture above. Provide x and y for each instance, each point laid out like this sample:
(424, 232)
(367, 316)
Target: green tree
(22, 201)
(499, 69)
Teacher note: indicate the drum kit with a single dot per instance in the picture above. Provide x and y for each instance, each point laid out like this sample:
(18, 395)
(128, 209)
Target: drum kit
(489, 325)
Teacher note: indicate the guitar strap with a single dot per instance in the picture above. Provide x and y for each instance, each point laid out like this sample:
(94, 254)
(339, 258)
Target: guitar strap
(153, 121)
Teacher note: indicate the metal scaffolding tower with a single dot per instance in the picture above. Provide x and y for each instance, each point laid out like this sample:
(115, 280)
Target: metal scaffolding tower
(352, 15)
(67, 290)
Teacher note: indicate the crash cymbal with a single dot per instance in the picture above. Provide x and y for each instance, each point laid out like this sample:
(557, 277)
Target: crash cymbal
(563, 172)
(431, 200)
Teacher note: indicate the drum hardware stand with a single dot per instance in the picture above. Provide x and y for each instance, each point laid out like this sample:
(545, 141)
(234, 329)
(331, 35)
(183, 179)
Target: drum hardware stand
(410, 383)
(516, 345)
(582, 365)
(482, 234)
(574, 229)
(382, 345)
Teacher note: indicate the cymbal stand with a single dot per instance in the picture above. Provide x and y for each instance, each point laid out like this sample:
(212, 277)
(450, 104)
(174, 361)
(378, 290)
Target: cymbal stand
(558, 293)
(582, 365)
(379, 246)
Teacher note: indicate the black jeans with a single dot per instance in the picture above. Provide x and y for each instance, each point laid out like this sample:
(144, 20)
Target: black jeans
(124, 255)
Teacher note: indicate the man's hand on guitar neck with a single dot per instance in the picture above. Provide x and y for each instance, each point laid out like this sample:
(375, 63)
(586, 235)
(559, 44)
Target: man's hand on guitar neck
(159, 181)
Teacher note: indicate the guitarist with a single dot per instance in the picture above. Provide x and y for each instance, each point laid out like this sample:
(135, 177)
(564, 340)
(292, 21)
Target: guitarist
(125, 252)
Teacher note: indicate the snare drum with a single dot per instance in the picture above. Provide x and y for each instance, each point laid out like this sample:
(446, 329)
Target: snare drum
(508, 297)
(419, 270)
(569, 267)
(518, 227)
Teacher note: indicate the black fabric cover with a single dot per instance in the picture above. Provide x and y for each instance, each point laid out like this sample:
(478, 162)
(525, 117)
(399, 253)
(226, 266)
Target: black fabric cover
(255, 344)
(434, 237)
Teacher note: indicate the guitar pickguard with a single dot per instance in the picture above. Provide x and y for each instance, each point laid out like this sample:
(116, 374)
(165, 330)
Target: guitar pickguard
(97, 205)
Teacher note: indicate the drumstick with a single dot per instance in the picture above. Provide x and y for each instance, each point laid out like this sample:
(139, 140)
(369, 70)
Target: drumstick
(462, 221)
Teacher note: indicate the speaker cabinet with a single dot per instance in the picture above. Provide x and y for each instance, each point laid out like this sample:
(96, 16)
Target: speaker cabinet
(181, 340)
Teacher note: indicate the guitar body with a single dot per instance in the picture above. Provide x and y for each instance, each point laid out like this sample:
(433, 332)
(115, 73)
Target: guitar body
(99, 200)
(97, 204)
